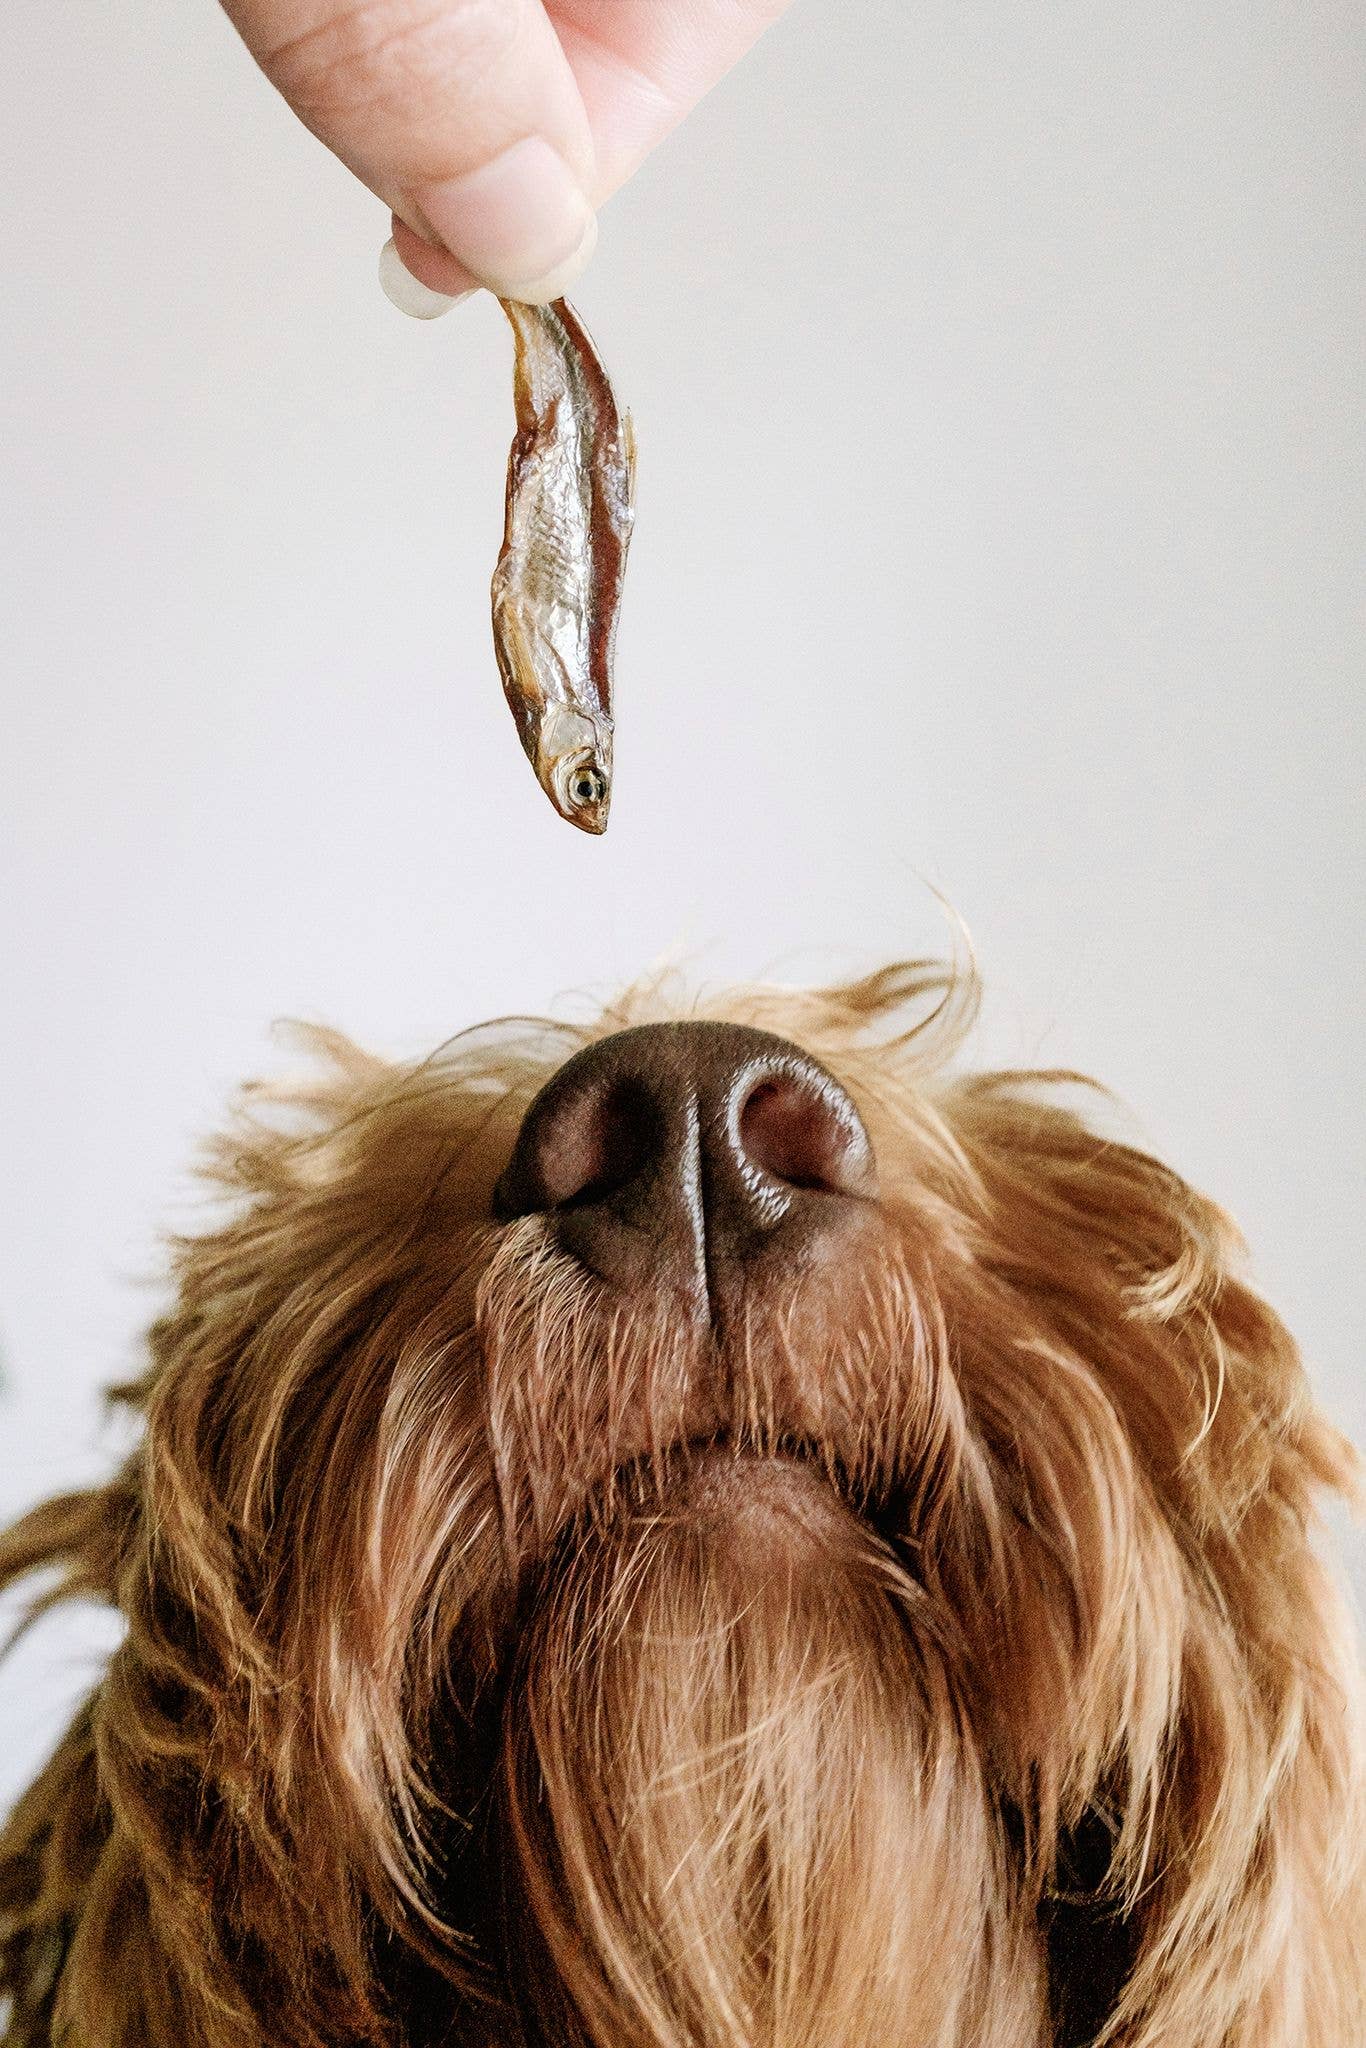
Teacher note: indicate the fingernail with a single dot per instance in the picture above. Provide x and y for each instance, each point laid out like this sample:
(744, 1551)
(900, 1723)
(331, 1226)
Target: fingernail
(409, 293)
(522, 224)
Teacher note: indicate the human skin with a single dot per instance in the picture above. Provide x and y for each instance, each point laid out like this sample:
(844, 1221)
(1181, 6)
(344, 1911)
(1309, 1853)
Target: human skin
(494, 129)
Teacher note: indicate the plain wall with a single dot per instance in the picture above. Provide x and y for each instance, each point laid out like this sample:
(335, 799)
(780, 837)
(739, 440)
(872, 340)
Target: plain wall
(997, 375)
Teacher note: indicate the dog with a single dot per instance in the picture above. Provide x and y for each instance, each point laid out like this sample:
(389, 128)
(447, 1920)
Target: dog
(717, 1529)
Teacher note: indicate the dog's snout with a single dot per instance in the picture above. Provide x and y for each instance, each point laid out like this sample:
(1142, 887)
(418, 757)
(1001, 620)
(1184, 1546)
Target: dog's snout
(669, 1150)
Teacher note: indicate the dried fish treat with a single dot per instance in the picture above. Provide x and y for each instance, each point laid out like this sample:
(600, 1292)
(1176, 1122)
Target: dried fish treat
(557, 586)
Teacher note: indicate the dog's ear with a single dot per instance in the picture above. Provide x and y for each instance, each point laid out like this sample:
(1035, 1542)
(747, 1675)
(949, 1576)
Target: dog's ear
(1181, 1664)
(51, 1842)
(298, 1524)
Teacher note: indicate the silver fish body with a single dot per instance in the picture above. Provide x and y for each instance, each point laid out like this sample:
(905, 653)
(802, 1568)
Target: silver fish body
(557, 586)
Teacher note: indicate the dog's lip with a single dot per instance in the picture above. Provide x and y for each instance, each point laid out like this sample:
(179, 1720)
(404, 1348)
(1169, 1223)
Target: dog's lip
(714, 1463)
(727, 1447)
(798, 1462)
(776, 1509)
(711, 1463)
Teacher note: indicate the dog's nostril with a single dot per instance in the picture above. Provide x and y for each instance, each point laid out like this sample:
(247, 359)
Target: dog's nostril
(602, 1146)
(579, 1149)
(796, 1131)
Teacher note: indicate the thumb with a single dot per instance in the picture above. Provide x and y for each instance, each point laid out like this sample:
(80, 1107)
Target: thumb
(462, 115)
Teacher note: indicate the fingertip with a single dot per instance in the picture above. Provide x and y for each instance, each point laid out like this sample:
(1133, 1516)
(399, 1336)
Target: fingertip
(408, 293)
(423, 258)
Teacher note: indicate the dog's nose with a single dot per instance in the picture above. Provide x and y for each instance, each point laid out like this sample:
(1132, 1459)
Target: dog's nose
(673, 1151)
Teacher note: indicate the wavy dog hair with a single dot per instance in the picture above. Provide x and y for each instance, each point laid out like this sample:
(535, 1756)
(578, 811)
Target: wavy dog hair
(951, 1669)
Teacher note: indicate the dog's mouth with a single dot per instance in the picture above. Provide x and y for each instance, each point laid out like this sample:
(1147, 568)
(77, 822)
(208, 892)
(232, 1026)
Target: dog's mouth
(780, 1505)
(724, 1477)
(769, 1490)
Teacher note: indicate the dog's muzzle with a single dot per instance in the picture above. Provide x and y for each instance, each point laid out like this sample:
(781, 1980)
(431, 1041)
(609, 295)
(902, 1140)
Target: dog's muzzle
(690, 1155)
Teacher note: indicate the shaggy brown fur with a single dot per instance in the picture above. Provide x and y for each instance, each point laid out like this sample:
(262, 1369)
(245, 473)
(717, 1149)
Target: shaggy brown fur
(937, 1660)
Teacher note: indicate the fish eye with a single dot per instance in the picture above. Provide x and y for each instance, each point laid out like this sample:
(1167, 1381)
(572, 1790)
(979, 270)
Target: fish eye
(588, 787)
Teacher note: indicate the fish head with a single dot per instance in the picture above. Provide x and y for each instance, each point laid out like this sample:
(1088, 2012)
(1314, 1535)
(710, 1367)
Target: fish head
(573, 761)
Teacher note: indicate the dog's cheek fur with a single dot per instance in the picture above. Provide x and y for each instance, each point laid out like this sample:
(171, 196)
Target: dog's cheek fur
(304, 1511)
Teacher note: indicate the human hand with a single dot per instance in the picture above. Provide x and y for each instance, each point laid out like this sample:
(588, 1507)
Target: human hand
(493, 129)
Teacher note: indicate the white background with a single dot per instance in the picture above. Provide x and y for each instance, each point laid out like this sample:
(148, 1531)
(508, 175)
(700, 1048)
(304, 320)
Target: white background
(997, 374)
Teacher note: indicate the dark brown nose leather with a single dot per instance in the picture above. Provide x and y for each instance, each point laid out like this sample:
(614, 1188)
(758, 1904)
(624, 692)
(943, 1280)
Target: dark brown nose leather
(679, 1152)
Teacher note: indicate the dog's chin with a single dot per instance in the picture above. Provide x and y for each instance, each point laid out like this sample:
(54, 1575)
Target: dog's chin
(734, 1767)
(771, 1532)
